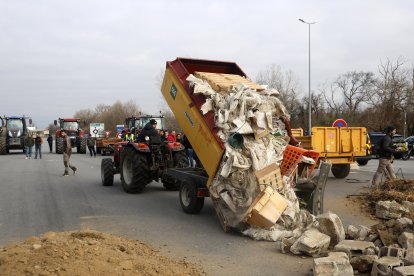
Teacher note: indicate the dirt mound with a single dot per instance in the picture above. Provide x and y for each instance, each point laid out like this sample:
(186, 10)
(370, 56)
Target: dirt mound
(87, 253)
(399, 190)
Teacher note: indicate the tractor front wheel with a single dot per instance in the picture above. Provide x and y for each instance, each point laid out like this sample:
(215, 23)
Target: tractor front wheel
(135, 173)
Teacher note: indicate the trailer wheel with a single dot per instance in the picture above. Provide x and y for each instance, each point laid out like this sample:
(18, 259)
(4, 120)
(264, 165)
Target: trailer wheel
(107, 172)
(362, 162)
(341, 170)
(59, 145)
(135, 173)
(190, 203)
(3, 145)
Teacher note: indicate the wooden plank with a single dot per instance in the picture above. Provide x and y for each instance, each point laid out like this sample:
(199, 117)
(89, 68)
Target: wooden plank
(224, 82)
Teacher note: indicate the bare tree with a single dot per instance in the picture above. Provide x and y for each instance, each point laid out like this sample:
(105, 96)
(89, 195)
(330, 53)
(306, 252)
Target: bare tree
(393, 94)
(348, 93)
(288, 86)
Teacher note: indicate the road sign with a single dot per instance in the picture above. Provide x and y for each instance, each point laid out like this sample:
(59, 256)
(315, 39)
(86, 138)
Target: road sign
(97, 130)
(339, 123)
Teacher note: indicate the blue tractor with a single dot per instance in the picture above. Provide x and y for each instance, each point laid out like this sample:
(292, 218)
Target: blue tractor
(13, 132)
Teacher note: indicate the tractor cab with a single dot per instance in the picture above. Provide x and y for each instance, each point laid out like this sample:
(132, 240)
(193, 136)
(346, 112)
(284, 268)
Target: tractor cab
(12, 133)
(136, 124)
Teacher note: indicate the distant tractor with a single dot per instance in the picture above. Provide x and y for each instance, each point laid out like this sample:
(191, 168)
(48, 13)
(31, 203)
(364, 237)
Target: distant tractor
(72, 128)
(13, 133)
(139, 163)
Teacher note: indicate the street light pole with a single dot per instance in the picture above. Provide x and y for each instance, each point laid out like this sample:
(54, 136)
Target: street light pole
(309, 85)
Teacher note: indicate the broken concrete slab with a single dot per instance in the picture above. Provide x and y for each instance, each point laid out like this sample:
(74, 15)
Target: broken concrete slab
(406, 240)
(403, 271)
(385, 265)
(387, 237)
(360, 232)
(408, 259)
(390, 210)
(363, 263)
(331, 225)
(337, 263)
(403, 223)
(354, 248)
(311, 242)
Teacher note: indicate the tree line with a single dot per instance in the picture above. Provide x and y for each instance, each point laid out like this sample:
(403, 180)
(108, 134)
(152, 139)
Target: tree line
(367, 99)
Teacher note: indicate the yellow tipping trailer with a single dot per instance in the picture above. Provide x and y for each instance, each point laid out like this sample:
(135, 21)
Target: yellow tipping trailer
(337, 145)
(185, 105)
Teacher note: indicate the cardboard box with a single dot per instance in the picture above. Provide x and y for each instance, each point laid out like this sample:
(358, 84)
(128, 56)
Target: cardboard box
(270, 175)
(266, 209)
(260, 133)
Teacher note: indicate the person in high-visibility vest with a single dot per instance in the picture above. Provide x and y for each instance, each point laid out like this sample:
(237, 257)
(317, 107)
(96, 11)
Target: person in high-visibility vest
(129, 136)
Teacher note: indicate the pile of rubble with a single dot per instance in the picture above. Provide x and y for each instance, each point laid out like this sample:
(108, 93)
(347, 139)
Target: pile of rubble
(252, 127)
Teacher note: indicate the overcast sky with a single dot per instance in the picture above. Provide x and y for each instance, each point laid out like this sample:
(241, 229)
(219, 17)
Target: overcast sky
(57, 57)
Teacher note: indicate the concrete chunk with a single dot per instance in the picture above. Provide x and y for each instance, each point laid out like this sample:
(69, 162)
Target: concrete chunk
(330, 224)
(390, 210)
(406, 240)
(360, 232)
(363, 263)
(354, 248)
(385, 265)
(409, 256)
(336, 264)
(311, 242)
(403, 271)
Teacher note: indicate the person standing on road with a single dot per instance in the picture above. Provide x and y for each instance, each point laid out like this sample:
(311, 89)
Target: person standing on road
(38, 146)
(385, 156)
(29, 143)
(67, 152)
(91, 145)
(50, 142)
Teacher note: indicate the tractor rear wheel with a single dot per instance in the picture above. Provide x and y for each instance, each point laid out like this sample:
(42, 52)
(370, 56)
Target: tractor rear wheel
(59, 145)
(107, 172)
(190, 203)
(3, 145)
(135, 173)
(341, 170)
(180, 159)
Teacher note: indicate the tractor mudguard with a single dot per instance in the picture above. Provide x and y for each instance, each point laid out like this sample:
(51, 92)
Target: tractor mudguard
(141, 147)
(175, 146)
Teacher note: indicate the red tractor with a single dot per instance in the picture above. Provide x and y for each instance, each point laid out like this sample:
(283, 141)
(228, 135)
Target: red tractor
(140, 163)
(72, 128)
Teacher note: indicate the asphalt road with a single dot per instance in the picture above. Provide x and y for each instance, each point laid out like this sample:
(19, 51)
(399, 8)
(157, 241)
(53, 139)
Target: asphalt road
(35, 198)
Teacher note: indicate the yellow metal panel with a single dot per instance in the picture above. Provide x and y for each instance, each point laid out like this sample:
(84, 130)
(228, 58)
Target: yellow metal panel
(340, 143)
(207, 148)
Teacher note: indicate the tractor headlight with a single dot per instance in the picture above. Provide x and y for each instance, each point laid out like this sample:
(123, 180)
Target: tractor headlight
(10, 134)
(18, 133)
(147, 138)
